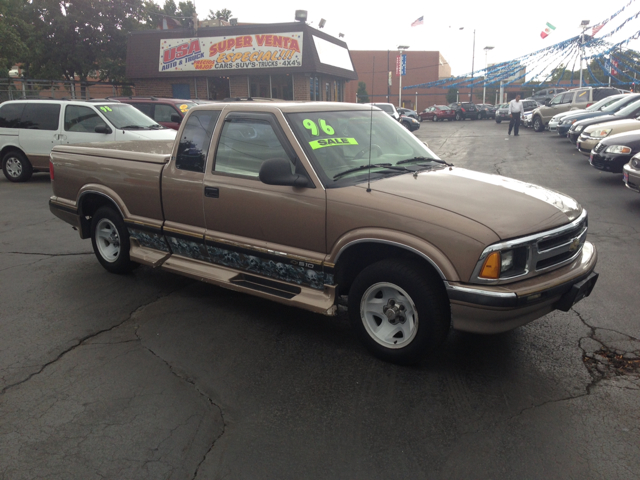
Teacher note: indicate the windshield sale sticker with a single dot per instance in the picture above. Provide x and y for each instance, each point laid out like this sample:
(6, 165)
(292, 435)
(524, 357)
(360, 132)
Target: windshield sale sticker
(231, 52)
(332, 142)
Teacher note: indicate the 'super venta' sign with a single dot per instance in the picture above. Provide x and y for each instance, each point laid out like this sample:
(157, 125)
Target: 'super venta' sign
(231, 52)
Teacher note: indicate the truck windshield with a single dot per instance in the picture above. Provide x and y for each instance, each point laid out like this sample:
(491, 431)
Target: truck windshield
(341, 143)
(127, 117)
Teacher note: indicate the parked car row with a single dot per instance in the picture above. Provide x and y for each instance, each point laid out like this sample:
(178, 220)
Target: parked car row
(601, 123)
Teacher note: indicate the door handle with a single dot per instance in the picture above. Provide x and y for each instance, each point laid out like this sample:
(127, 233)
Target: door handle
(211, 192)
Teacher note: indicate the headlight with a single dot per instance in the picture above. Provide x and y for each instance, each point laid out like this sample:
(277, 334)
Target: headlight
(618, 149)
(601, 133)
(579, 128)
(504, 264)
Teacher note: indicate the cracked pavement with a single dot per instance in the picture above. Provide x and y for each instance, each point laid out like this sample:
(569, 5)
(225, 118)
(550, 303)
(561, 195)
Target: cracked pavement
(151, 375)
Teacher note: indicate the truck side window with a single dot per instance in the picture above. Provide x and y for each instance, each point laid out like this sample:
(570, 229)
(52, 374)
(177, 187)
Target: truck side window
(246, 143)
(164, 112)
(81, 119)
(195, 140)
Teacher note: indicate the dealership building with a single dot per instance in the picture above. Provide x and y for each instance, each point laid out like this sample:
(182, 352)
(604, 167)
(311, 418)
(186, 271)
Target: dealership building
(290, 61)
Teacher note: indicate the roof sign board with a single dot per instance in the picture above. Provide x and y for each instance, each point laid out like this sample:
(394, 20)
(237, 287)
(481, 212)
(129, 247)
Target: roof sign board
(231, 52)
(332, 54)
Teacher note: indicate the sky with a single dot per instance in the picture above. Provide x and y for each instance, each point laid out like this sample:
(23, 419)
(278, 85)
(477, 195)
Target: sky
(510, 26)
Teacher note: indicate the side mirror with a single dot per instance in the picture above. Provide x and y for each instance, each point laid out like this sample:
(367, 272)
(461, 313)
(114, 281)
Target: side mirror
(102, 128)
(547, 103)
(175, 118)
(277, 171)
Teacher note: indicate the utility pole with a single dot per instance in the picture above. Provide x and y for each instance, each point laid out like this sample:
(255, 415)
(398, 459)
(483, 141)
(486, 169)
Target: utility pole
(484, 88)
(473, 59)
(584, 25)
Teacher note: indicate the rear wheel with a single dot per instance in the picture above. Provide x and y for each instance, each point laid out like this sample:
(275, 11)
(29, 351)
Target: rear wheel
(16, 167)
(479, 116)
(110, 240)
(458, 116)
(399, 312)
(435, 118)
(498, 120)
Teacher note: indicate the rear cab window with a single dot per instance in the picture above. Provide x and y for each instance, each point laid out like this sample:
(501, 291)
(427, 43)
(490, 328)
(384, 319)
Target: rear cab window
(195, 140)
(11, 115)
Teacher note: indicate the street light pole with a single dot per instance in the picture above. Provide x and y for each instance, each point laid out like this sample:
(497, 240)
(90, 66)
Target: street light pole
(484, 88)
(473, 59)
(584, 25)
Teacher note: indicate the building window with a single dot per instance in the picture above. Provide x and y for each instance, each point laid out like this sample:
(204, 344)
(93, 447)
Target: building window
(327, 92)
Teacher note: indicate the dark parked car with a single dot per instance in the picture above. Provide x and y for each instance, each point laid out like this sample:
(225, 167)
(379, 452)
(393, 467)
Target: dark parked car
(409, 113)
(438, 112)
(168, 112)
(622, 101)
(464, 110)
(409, 123)
(630, 111)
(611, 154)
(487, 110)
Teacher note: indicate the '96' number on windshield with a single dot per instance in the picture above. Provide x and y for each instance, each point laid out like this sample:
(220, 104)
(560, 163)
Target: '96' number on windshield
(311, 125)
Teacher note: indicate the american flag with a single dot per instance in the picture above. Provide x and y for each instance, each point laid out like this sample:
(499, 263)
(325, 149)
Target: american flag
(419, 21)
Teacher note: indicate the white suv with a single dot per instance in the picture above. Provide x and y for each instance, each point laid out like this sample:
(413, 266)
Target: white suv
(29, 129)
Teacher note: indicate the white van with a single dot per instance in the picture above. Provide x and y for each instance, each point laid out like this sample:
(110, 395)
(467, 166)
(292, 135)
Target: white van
(29, 129)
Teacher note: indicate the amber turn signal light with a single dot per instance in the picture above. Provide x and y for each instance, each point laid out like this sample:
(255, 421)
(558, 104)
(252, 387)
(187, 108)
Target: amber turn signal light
(491, 266)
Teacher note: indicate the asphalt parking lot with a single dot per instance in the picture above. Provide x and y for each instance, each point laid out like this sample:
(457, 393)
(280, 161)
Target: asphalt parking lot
(152, 375)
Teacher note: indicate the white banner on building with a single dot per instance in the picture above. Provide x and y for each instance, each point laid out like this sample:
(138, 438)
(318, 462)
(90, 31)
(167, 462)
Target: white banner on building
(231, 52)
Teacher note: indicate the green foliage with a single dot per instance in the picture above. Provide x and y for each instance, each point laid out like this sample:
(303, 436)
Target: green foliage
(14, 30)
(363, 96)
(452, 95)
(224, 14)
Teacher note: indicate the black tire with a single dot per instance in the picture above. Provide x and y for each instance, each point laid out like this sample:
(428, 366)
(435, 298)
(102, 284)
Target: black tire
(110, 241)
(538, 124)
(458, 117)
(425, 310)
(479, 116)
(498, 120)
(435, 118)
(16, 167)
(406, 125)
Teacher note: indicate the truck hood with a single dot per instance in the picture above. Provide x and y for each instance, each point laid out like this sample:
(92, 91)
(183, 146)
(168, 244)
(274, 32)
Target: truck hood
(508, 207)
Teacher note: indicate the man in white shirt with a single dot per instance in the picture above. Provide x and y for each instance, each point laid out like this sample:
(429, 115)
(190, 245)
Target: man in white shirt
(516, 110)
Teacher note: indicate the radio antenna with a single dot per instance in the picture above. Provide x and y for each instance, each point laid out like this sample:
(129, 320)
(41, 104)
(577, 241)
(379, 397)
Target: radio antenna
(373, 76)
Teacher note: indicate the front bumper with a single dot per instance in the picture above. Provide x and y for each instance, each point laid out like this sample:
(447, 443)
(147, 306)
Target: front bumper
(553, 126)
(586, 144)
(563, 130)
(609, 162)
(493, 310)
(631, 178)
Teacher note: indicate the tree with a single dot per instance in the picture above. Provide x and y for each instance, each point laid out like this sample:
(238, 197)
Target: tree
(452, 95)
(223, 14)
(361, 94)
(14, 29)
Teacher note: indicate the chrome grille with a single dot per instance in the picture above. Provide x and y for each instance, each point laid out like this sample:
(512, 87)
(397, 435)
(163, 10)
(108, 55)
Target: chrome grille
(545, 250)
(598, 148)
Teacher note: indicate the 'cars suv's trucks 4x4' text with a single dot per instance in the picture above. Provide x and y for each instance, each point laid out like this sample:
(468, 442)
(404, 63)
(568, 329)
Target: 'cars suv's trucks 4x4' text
(315, 204)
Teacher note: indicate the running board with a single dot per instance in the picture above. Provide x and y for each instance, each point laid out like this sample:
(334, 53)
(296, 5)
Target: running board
(318, 301)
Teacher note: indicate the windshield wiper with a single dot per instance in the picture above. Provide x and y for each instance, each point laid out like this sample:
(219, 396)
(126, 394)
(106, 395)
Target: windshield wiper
(423, 159)
(132, 126)
(155, 126)
(373, 165)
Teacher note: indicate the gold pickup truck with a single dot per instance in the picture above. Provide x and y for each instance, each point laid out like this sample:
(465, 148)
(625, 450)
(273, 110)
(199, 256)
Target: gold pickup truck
(321, 205)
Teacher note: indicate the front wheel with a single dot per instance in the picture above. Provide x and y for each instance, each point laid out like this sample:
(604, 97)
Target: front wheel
(435, 118)
(479, 116)
(458, 116)
(110, 240)
(498, 120)
(399, 312)
(538, 124)
(16, 167)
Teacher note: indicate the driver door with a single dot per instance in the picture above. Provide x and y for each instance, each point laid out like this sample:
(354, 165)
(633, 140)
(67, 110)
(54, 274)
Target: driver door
(275, 231)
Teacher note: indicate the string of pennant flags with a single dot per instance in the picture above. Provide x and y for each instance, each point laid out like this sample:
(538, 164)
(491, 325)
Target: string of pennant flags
(544, 64)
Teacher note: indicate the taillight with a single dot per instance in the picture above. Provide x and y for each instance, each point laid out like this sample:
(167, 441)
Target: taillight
(589, 104)
(462, 108)
(51, 169)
